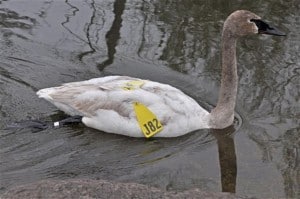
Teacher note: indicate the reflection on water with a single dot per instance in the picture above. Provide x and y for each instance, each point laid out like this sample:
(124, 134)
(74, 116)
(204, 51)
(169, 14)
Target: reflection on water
(227, 158)
(47, 43)
(113, 35)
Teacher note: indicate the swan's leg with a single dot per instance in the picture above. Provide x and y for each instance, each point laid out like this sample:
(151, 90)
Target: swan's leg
(69, 120)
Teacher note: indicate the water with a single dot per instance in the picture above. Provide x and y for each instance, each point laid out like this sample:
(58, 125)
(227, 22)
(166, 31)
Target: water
(45, 43)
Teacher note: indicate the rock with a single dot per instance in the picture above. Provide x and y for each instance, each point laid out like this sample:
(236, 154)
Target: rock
(88, 189)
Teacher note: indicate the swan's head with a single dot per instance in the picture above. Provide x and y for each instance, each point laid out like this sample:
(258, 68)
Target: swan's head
(243, 22)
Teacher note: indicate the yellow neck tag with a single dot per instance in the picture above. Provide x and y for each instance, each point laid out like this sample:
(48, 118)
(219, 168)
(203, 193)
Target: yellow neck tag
(132, 85)
(148, 122)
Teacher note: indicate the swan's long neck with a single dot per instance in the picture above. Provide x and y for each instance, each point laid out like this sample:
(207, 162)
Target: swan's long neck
(223, 114)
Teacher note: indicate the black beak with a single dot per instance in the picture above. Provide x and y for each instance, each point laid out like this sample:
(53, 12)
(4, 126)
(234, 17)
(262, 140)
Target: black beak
(264, 28)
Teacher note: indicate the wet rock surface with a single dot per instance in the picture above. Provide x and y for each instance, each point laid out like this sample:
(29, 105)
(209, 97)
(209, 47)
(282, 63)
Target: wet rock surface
(84, 188)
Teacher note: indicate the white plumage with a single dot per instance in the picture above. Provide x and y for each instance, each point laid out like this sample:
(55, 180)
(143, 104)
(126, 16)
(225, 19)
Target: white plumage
(105, 105)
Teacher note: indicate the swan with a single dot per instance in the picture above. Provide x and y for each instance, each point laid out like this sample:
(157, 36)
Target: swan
(142, 108)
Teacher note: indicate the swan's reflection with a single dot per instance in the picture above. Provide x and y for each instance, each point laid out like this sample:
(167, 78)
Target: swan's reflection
(227, 157)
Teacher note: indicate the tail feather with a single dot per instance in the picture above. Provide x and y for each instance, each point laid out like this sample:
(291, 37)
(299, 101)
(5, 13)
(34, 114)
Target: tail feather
(45, 93)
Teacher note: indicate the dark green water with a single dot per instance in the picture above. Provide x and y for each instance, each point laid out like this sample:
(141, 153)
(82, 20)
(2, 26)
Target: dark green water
(46, 43)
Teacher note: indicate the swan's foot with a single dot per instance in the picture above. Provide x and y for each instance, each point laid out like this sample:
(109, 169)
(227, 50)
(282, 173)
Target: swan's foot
(34, 125)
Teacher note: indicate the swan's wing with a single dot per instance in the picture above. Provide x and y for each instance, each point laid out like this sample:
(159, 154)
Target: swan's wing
(107, 104)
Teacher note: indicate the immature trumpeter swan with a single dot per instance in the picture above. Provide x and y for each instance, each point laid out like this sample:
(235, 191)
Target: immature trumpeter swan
(135, 107)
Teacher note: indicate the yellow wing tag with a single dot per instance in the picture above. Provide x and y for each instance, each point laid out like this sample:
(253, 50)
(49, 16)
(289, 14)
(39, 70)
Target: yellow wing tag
(148, 122)
(132, 85)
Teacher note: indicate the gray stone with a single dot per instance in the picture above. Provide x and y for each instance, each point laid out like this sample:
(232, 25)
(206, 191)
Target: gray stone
(88, 189)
